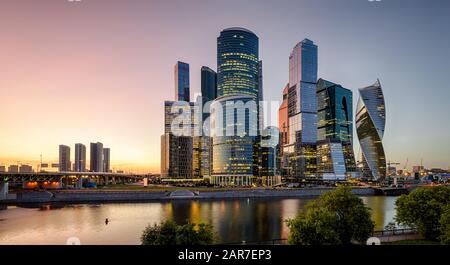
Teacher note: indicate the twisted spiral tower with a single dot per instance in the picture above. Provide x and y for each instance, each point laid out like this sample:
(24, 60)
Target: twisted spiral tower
(370, 123)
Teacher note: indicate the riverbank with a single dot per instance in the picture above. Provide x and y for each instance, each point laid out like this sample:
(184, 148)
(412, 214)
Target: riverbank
(104, 196)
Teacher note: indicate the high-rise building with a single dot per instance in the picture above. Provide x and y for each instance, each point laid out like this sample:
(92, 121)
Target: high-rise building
(177, 149)
(299, 150)
(64, 158)
(336, 159)
(209, 93)
(237, 63)
(2, 168)
(176, 156)
(208, 84)
(106, 160)
(80, 158)
(13, 168)
(370, 123)
(182, 82)
(234, 141)
(283, 126)
(96, 159)
(236, 156)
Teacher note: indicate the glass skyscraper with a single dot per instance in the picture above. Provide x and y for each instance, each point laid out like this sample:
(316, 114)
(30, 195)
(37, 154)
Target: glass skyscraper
(182, 82)
(299, 149)
(336, 159)
(370, 123)
(236, 156)
(237, 63)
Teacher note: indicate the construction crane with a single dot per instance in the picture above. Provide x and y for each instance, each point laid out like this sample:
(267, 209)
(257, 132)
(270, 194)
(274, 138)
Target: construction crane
(389, 163)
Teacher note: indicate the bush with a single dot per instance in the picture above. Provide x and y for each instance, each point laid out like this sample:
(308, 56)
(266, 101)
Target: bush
(337, 217)
(169, 233)
(445, 226)
(423, 208)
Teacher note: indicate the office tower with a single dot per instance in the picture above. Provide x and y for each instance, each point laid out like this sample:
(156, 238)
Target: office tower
(208, 84)
(106, 160)
(80, 158)
(209, 93)
(236, 155)
(96, 159)
(64, 158)
(334, 131)
(13, 168)
(370, 122)
(299, 151)
(2, 168)
(182, 82)
(177, 149)
(176, 156)
(283, 126)
(234, 141)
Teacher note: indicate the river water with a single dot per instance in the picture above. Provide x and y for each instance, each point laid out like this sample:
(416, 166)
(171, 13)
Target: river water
(234, 220)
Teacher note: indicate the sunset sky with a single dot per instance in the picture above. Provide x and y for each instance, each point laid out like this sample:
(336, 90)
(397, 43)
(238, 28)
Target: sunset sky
(100, 70)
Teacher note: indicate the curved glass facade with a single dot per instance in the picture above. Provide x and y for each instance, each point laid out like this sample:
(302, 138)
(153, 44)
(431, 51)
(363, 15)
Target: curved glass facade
(233, 127)
(370, 122)
(237, 63)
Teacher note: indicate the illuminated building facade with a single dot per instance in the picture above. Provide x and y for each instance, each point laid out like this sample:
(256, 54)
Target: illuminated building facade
(336, 159)
(299, 159)
(370, 123)
(237, 157)
(234, 127)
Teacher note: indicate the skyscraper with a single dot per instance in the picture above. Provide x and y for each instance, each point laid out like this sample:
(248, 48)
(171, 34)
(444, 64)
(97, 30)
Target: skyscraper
(182, 82)
(236, 156)
(300, 148)
(106, 159)
(64, 158)
(335, 131)
(177, 158)
(237, 63)
(96, 159)
(283, 126)
(370, 123)
(208, 83)
(80, 158)
(209, 93)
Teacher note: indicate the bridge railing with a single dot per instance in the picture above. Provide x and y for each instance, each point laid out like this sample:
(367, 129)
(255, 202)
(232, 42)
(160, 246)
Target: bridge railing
(402, 231)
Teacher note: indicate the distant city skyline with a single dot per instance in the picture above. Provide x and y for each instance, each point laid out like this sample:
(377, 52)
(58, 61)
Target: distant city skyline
(90, 71)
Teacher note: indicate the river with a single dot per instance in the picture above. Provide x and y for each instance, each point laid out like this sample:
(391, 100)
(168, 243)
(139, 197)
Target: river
(234, 220)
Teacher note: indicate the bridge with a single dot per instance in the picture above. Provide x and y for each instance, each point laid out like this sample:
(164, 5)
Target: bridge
(56, 180)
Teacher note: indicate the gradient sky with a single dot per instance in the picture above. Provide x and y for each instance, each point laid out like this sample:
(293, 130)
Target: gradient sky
(100, 70)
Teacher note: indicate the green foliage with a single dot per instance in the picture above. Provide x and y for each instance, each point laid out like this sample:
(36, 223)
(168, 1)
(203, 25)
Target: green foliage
(423, 209)
(336, 217)
(169, 233)
(445, 226)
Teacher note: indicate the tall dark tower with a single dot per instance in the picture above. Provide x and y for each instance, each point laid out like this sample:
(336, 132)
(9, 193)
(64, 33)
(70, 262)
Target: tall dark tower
(182, 82)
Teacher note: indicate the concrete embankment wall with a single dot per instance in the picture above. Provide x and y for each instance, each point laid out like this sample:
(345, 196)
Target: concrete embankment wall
(142, 196)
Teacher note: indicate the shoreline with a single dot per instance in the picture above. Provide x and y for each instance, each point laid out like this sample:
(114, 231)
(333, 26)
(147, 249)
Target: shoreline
(110, 196)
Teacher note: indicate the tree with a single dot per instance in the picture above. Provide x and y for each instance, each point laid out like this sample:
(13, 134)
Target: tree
(423, 209)
(169, 233)
(336, 217)
(445, 226)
